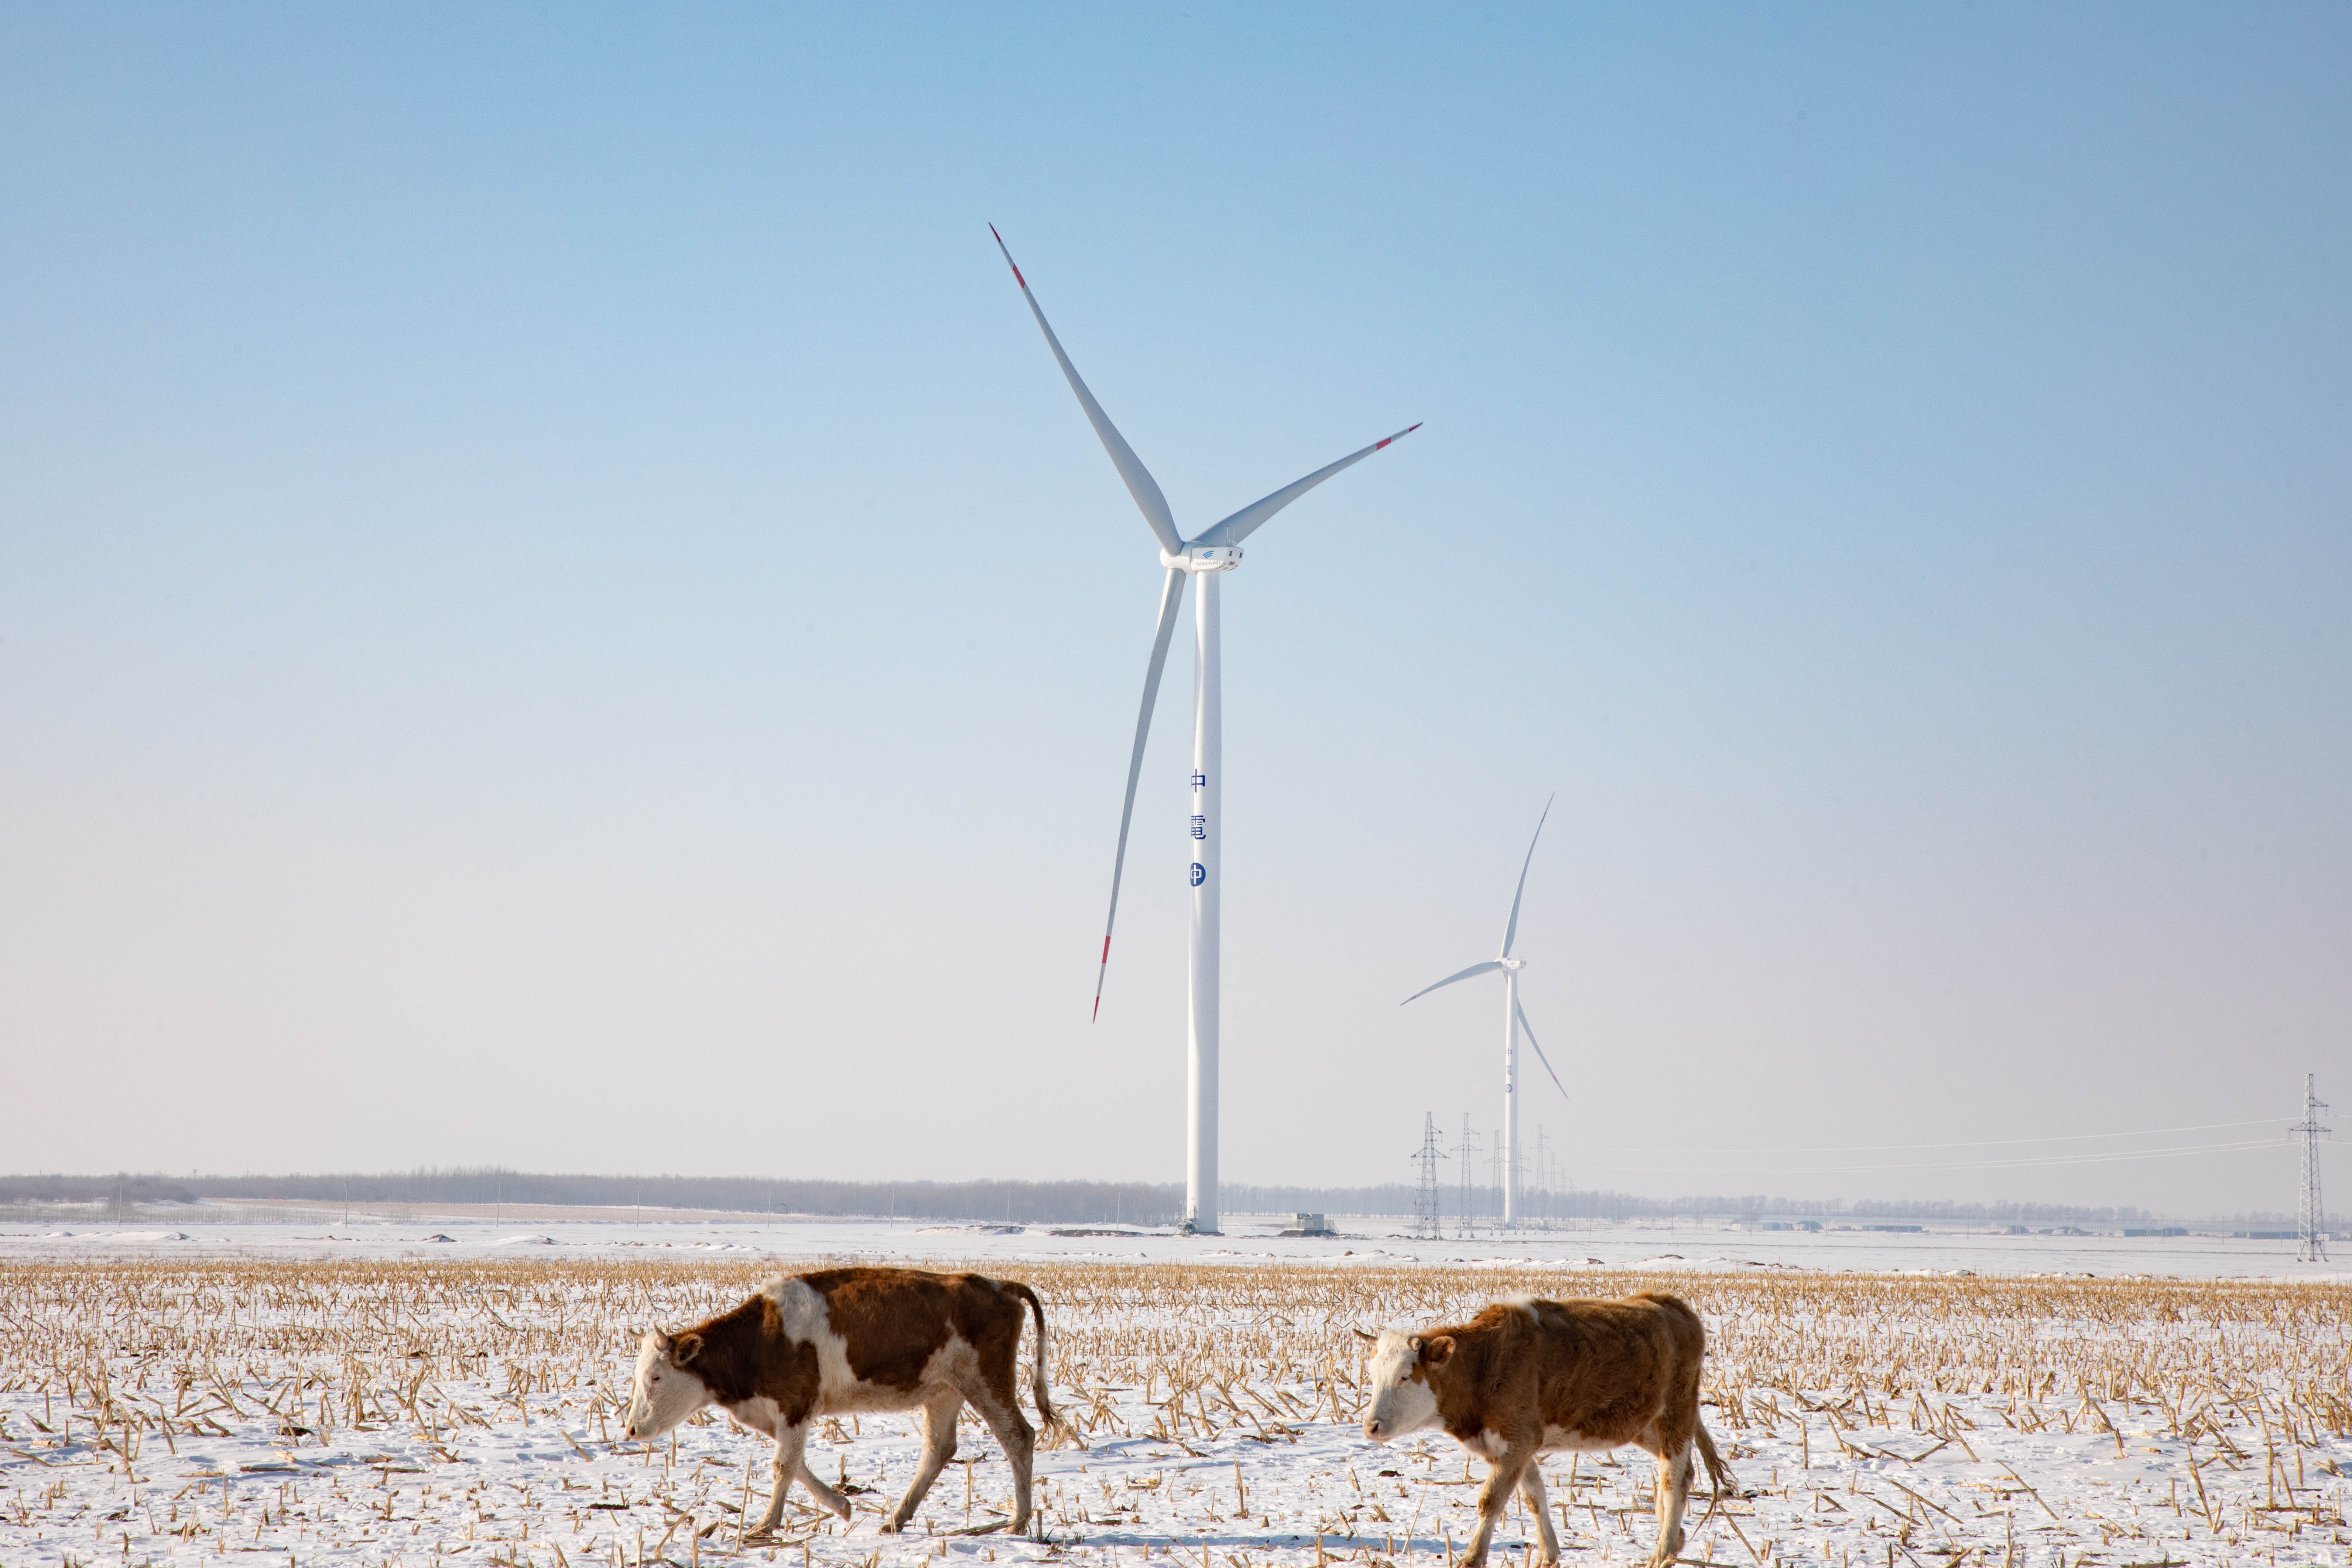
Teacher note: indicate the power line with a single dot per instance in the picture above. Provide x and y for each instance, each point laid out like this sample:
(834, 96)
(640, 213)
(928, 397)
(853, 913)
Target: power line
(1946, 1164)
(1972, 1143)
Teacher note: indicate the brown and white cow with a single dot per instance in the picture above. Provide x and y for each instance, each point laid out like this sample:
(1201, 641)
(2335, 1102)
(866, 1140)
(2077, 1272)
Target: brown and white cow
(854, 1340)
(1527, 1377)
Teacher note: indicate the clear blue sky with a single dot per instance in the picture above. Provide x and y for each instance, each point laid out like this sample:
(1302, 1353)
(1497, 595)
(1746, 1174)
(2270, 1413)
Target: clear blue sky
(558, 611)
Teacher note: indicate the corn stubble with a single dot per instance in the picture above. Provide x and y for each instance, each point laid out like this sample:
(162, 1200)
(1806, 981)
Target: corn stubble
(412, 1411)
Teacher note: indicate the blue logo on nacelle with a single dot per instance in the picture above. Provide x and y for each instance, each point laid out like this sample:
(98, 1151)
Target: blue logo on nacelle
(1200, 873)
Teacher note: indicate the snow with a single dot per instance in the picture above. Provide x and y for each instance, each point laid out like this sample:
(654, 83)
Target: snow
(1652, 1246)
(469, 1467)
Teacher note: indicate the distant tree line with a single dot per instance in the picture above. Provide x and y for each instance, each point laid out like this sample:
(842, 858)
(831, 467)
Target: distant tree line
(120, 1190)
(1016, 1203)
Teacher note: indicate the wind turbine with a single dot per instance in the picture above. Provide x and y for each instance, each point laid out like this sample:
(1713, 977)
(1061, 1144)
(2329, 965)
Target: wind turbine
(1208, 554)
(1515, 1020)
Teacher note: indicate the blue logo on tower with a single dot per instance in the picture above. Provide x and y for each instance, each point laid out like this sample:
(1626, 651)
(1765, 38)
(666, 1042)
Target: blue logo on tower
(1200, 873)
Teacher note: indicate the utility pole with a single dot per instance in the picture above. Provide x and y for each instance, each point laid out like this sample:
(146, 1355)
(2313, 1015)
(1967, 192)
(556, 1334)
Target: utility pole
(1495, 1155)
(1542, 1183)
(2311, 1220)
(1468, 1149)
(1426, 1225)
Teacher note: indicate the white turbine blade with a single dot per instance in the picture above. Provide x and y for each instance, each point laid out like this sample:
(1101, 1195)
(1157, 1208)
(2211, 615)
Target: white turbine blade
(1245, 522)
(1473, 969)
(1171, 599)
(1511, 932)
(1540, 1056)
(1139, 482)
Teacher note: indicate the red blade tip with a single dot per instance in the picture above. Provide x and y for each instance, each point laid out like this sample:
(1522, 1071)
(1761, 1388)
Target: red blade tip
(1008, 256)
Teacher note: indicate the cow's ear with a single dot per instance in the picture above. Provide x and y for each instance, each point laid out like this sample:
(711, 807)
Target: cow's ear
(685, 1348)
(1435, 1351)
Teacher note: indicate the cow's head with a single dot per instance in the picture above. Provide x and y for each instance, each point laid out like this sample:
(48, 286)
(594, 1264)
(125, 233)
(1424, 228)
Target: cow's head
(1398, 1369)
(666, 1389)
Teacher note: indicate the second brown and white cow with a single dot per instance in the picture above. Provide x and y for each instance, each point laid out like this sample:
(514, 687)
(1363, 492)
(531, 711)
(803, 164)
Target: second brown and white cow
(854, 1340)
(1527, 1377)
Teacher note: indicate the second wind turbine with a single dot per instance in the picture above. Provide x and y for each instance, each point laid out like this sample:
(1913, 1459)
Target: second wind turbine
(1207, 555)
(1515, 1023)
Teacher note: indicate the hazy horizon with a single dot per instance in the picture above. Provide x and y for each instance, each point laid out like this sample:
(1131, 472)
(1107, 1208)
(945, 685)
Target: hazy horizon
(553, 604)
(371, 1193)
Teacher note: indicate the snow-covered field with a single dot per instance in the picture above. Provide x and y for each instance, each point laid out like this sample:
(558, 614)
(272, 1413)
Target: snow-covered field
(324, 1231)
(363, 1394)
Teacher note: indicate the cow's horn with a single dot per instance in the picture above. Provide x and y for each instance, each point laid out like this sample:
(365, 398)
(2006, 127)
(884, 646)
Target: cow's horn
(1369, 1339)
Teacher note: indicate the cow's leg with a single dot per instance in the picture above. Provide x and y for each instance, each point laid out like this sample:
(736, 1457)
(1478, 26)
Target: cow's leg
(940, 1413)
(1531, 1487)
(799, 1466)
(1018, 1440)
(1502, 1478)
(1674, 1492)
(790, 1441)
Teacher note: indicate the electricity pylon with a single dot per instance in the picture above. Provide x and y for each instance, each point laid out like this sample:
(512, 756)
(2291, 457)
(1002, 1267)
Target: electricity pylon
(1425, 1224)
(2311, 1219)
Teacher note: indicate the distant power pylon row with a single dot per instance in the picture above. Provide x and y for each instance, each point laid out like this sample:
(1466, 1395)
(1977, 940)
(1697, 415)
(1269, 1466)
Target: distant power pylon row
(1428, 1222)
(2311, 1217)
(1428, 1208)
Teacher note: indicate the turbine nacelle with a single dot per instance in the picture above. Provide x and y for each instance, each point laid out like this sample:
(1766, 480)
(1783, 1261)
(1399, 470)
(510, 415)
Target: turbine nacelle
(1199, 558)
(1512, 964)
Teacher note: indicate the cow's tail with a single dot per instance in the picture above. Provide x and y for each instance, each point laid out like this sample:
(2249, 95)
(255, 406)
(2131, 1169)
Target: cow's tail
(1718, 1474)
(1046, 1415)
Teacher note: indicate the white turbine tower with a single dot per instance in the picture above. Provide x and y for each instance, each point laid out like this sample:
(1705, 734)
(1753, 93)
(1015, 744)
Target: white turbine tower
(1214, 551)
(1514, 1022)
